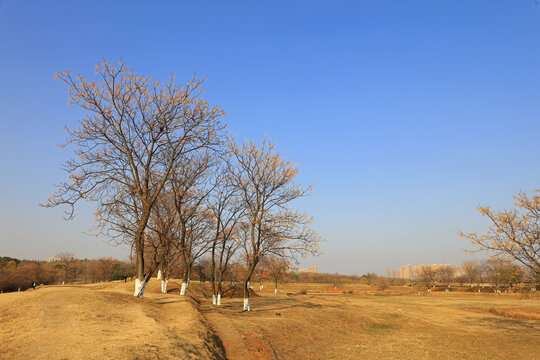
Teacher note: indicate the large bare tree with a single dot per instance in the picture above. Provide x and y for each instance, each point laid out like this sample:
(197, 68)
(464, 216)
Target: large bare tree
(191, 184)
(227, 211)
(164, 225)
(125, 148)
(514, 234)
(267, 187)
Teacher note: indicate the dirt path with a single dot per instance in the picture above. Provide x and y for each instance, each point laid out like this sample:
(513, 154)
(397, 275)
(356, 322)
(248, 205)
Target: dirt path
(103, 322)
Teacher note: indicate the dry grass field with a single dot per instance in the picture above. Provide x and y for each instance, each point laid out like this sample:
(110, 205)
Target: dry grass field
(103, 321)
(358, 322)
(371, 324)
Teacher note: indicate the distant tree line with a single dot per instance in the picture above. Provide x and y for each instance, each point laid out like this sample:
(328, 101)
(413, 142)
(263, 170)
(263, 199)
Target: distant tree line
(494, 274)
(19, 275)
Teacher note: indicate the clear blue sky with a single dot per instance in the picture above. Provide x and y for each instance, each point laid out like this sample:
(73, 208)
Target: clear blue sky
(406, 114)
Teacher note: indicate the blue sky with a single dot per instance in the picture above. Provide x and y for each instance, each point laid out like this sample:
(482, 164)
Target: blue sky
(405, 114)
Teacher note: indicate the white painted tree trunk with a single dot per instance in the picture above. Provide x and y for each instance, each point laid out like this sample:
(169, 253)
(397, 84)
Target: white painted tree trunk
(218, 299)
(275, 291)
(214, 300)
(183, 288)
(246, 305)
(261, 287)
(164, 284)
(141, 294)
(140, 286)
(159, 275)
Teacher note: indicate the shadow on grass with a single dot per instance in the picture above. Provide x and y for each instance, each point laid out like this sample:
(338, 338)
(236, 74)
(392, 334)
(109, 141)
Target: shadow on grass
(260, 304)
(510, 325)
(168, 302)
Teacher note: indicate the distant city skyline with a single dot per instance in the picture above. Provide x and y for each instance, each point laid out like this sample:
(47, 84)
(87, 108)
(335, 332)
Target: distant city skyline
(411, 271)
(404, 116)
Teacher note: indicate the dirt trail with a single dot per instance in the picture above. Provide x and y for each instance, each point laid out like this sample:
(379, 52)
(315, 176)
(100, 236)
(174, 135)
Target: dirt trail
(103, 321)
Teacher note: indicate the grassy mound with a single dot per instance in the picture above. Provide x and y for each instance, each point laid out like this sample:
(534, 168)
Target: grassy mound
(104, 321)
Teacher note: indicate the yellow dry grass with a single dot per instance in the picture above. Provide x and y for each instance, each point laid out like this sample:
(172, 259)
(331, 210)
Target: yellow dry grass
(330, 323)
(102, 321)
(517, 313)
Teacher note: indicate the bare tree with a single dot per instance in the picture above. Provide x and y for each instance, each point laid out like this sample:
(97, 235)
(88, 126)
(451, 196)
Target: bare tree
(203, 267)
(105, 268)
(427, 276)
(190, 185)
(163, 246)
(261, 271)
(227, 211)
(502, 273)
(471, 272)
(68, 264)
(277, 269)
(514, 234)
(267, 187)
(371, 277)
(198, 230)
(135, 131)
(445, 275)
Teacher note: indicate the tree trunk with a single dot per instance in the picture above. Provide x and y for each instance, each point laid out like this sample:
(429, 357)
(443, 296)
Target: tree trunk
(164, 283)
(185, 280)
(140, 282)
(159, 275)
(140, 273)
(246, 295)
(218, 297)
(213, 278)
(251, 269)
(275, 289)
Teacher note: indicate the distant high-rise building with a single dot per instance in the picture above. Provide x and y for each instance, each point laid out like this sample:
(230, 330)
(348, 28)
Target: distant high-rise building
(410, 272)
(310, 269)
(405, 272)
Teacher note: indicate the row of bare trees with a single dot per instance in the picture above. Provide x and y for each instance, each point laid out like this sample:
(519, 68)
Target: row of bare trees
(168, 181)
